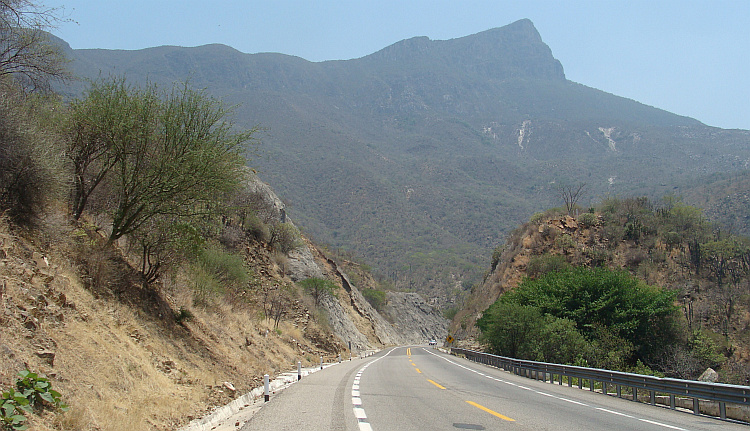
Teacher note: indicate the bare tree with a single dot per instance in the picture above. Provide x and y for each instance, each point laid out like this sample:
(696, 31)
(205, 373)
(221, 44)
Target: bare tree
(26, 50)
(571, 194)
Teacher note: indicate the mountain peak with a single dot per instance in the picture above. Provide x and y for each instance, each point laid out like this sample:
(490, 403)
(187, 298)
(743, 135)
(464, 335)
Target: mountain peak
(512, 51)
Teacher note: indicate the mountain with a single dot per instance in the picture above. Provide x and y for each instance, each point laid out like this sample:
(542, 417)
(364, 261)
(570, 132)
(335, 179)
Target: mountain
(421, 157)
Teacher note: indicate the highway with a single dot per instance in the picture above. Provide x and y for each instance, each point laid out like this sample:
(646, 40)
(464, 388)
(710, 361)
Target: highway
(420, 388)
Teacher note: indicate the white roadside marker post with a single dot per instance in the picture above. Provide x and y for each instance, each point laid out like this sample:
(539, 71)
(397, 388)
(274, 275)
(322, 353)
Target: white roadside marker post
(266, 387)
(299, 370)
(321, 362)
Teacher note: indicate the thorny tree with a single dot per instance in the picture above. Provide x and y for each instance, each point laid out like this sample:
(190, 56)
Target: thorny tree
(26, 50)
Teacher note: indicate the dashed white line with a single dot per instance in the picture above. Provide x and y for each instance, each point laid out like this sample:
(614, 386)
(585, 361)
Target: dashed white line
(359, 411)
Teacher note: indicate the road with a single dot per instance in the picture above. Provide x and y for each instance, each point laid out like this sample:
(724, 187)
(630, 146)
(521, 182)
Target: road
(420, 388)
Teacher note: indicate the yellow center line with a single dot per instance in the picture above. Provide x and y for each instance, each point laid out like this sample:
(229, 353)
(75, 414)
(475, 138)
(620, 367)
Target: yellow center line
(436, 384)
(506, 418)
(418, 370)
(414, 364)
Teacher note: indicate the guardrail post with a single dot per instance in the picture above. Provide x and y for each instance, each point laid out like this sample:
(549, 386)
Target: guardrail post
(723, 411)
(299, 370)
(671, 401)
(266, 387)
(618, 388)
(592, 383)
(580, 383)
(652, 396)
(635, 393)
(696, 406)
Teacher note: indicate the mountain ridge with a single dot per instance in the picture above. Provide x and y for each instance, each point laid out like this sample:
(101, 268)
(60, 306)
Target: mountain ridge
(421, 161)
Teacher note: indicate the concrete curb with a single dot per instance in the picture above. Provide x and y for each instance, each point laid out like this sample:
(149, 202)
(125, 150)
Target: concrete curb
(239, 411)
(252, 400)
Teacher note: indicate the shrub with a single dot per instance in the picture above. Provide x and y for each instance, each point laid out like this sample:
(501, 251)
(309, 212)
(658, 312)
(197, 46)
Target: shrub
(256, 229)
(32, 391)
(450, 313)
(587, 220)
(375, 297)
(540, 265)
(565, 243)
(285, 237)
(30, 164)
(319, 288)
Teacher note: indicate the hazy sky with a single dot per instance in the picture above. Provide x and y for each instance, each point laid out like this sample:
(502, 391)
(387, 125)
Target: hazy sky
(689, 57)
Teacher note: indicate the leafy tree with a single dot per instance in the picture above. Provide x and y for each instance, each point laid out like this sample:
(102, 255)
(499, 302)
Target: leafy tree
(560, 342)
(192, 160)
(26, 51)
(175, 155)
(318, 288)
(596, 300)
(507, 328)
(103, 128)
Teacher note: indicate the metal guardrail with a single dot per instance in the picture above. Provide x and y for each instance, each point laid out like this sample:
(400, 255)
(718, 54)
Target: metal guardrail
(717, 392)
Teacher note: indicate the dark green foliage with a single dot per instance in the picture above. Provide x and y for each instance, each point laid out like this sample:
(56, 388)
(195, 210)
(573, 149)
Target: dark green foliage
(183, 315)
(375, 297)
(32, 392)
(507, 328)
(601, 305)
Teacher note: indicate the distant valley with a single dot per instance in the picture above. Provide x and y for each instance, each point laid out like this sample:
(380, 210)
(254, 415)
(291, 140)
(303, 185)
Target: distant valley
(420, 158)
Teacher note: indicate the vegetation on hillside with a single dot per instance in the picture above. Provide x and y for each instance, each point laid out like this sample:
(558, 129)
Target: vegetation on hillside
(128, 215)
(628, 281)
(423, 175)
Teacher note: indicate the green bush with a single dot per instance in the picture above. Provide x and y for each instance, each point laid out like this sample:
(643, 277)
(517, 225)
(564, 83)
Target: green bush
(450, 313)
(32, 391)
(284, 237)
(540, 265)
(587, 220)
(376, 298)
(216, 272)
(256, 229)
(604, 306)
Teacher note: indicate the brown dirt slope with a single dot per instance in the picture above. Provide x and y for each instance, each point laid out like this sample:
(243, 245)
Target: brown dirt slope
(75, 310)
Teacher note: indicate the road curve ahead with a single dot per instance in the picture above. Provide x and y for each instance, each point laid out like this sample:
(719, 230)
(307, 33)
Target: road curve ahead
(420, 388)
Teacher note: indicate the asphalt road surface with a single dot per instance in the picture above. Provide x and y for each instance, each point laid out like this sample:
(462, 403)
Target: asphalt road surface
(420, 388)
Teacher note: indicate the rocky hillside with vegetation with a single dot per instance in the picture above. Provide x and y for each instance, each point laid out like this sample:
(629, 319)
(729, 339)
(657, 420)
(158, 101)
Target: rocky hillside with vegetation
(646, 246)
(146, 274)
(420, 158)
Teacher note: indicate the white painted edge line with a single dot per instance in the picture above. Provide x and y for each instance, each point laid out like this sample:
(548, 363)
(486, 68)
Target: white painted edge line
(359, 411)
(557, 397)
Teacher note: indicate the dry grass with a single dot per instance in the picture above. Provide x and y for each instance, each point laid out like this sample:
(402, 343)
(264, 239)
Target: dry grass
(122, 364)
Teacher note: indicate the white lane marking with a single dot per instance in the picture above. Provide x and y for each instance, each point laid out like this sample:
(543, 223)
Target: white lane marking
(359, 412)
(555, 396)
(615, 413)
(661, 424)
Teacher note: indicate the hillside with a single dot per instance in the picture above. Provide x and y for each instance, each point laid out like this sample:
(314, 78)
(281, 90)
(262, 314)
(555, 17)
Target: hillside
(126, 356)
(663, 243)
(421, 157)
